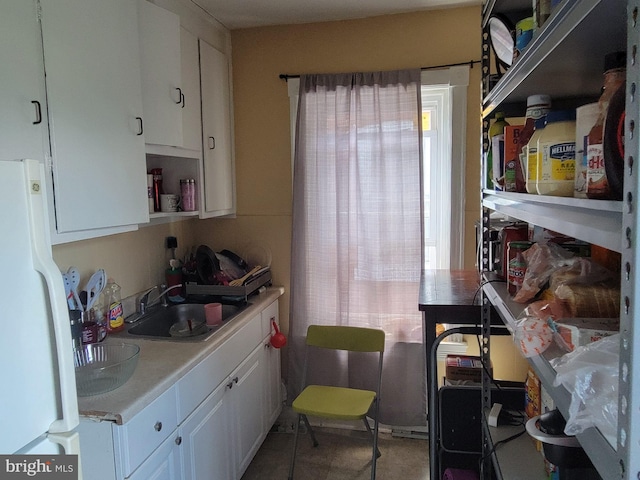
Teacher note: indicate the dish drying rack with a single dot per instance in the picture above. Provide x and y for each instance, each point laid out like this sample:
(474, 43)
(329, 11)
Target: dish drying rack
(243, 291)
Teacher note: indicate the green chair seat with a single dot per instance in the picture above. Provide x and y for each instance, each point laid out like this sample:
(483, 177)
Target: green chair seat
(334, 402)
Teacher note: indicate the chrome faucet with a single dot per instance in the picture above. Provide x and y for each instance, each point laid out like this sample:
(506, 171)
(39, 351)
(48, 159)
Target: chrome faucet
(145, 303)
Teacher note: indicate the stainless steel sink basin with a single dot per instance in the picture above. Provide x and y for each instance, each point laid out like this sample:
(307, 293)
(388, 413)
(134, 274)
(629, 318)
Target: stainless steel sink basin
(157, 323)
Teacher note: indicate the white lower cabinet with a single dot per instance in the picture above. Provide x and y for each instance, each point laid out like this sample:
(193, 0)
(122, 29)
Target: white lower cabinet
(245, 386)
(206, 445)
(164, 464)
(208, 425)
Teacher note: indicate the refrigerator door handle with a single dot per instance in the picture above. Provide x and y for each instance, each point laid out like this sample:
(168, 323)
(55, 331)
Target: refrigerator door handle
(44, 264)
(70, 442)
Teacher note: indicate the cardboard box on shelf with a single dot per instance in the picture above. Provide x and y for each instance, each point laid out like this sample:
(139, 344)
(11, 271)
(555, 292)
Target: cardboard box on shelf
(582, 331)
(464, 367)
(533, 400)
(511, 160)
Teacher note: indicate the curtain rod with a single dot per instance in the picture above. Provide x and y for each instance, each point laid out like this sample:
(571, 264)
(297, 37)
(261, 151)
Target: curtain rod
(286, 76)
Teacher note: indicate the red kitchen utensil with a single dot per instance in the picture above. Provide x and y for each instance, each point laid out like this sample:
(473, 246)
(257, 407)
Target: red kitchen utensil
(278, 340)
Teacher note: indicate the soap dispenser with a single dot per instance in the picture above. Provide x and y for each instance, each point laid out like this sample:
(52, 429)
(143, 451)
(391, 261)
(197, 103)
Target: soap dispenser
(173, 275)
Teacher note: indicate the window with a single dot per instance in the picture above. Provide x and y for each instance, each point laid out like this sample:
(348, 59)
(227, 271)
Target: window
(444, 103)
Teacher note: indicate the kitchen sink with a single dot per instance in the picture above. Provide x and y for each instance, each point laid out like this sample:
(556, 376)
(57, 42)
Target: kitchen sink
(169, 323)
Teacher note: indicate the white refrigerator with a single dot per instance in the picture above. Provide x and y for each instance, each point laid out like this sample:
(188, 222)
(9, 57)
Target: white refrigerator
(38, 401)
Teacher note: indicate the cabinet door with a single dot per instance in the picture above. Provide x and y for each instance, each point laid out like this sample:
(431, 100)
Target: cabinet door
(23, 123)
(206, 439)
(248, 408)
(219, 175)
(272, 392)
(272, 377)
(191, 122)
(164, 464)
(161, 82)
(93, 90)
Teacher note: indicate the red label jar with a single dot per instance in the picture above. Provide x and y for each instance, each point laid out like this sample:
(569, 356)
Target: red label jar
(516, 265)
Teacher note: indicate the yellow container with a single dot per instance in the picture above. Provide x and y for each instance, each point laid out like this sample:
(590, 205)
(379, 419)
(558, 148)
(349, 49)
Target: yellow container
(557, 155)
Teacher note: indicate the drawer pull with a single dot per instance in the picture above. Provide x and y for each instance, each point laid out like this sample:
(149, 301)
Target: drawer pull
(158, 426)
(178, 440)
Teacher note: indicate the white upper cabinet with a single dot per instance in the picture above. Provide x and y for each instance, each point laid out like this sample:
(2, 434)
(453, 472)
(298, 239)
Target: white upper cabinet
(219, 169)
(162, 93)
(191, 126)
(23, 123)
(92, 64)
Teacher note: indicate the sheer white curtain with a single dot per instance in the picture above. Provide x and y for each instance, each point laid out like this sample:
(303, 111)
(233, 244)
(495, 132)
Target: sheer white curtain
(356, 246)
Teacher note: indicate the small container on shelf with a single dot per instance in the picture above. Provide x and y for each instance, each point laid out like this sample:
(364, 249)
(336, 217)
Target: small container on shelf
(516, 266)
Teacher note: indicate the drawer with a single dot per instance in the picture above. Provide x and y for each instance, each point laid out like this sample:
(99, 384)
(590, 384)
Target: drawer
(268, 314)
(200, 381)
(138, 438)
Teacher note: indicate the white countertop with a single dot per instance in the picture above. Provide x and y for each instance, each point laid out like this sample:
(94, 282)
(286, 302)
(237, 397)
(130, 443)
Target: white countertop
(161, 364)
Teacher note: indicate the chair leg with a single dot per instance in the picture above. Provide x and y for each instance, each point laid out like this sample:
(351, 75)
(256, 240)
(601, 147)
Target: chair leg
(295, 446)
(373, 437)
(376, 453)
(308, 425)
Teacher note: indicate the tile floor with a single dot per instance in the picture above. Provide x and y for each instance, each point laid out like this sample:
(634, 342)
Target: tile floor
(341, 455)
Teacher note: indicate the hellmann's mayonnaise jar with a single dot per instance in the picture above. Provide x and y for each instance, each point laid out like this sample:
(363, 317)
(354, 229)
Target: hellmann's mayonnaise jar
(557, 154)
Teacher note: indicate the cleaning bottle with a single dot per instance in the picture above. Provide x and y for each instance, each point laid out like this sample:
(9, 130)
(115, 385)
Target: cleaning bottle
(113, 303)
(173, 275)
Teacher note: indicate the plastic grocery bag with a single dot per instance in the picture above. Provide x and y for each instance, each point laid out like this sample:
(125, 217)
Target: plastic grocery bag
(542, 260)
(590, 373)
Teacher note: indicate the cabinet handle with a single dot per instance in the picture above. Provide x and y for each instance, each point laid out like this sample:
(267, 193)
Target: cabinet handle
(179, 96)
(267, 345)
(141, 128)
(38, 112)
(178, 440)
(182, 99)
(158, 426)
(233, 380)
(212, 143)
